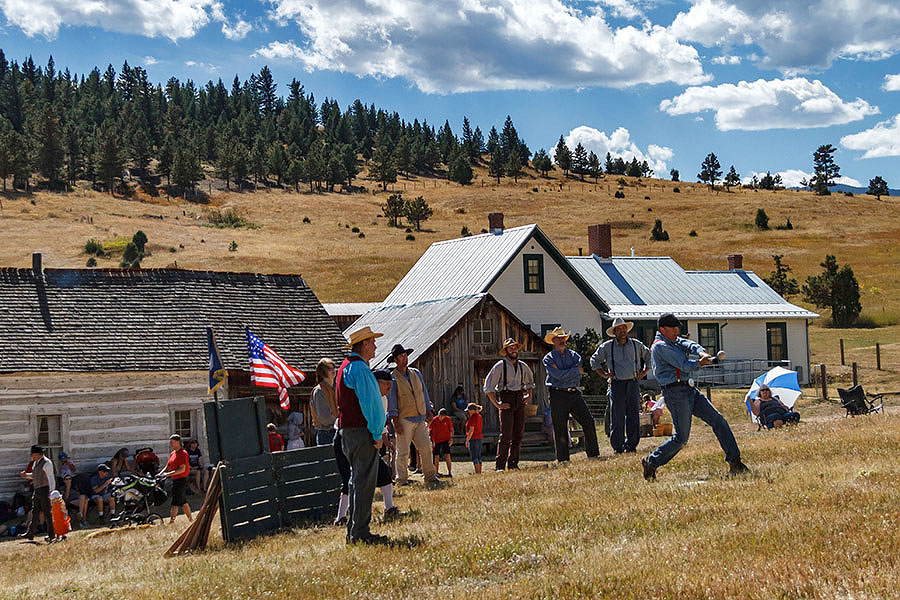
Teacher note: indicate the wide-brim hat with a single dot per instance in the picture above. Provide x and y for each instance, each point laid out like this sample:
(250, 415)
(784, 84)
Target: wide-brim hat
(558, 332)
(473, 406)
(360, 335)
(509, 342)
(397, 350)
(611, 330)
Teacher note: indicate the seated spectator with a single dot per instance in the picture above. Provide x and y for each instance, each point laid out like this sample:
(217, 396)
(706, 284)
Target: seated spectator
(101, 491)
(770, 410)
(654, 407)
(276, 442)
(198, 476)
(458, 404)
(66, 471)
(120, 463)
(441, 429)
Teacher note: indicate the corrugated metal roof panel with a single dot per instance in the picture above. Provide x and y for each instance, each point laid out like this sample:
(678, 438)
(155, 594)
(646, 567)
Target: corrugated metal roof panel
(636, 286)
(459, 267)
(417, 326)
(349, 309)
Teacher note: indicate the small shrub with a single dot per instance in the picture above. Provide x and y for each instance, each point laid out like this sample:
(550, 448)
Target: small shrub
(140, 240)
(33, 203)
(228, 219)
(787, 226)
(172, 249)
(848, 194)
(93, 246)
(460, 211)
(92, 262)
(619, 194)
(534, 189)
(464, 232)
(483, 230)
(693, 233)
(346, 227)
(676, 190)
(355, 230)
(408, 230)
(646, 197)
(658, 234)
(621, 181)
(181, 246)
(306, 220)
(361, 235)
(649, 209)
(762, 219)
(232, 247)
(410, 237)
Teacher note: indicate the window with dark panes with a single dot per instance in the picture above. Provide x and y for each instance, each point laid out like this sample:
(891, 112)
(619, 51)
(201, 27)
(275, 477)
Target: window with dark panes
(708, 337)
(534, 273)
(776, 341)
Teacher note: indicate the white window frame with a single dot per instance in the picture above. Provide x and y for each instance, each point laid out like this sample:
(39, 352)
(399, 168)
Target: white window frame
(196, 425)
(34, 423)
(479, 329)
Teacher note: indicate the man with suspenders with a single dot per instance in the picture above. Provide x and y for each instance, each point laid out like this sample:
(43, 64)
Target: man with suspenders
(624, 361)
(508, 386)
(673, 367)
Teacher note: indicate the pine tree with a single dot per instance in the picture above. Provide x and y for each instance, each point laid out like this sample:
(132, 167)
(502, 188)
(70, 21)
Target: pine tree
(50, 148)
(403, 156)
(732, 178)
(826, 170)
(513, 166)
(417, 211)
(878, 187)
(110, 162)
(496, 166)
(779, 280)
(73, 153)
(835, 288)
(460, 169)
(351, 165)
(658, 234)
(594, 166)
(674, 174)
(580, 161)
(277, 162)
(393, 209)
(710, 170)
(609, 166)
(542, 162)
(258, 162)
(382, 168)
(563, 156)
(762, 220)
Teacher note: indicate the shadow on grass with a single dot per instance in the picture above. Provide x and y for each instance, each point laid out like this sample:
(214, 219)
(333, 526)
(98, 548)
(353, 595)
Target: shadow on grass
(406, 541)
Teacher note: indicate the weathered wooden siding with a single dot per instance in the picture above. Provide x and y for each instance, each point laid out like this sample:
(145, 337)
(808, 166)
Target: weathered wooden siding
(100, 413)
(457, 360)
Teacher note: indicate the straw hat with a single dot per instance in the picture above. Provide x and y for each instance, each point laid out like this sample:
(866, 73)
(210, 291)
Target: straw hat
(509, 342)
(611, 330)
(558, 332)
(360, 335)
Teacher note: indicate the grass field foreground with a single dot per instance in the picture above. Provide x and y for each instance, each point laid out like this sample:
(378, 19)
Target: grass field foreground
(816, 519)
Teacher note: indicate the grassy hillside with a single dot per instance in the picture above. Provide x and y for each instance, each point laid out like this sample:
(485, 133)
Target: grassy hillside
(813, 520)
(342, 266)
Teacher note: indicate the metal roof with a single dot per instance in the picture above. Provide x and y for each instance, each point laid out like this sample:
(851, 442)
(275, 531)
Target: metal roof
(417, 326)
(349, 309)
(645, 287)
(470, 265)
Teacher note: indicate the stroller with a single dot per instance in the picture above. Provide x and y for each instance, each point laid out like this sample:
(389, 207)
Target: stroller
(136, 496)
(146, 461)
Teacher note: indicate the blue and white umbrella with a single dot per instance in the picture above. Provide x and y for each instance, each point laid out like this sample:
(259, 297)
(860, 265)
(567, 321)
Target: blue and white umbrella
(783, 383)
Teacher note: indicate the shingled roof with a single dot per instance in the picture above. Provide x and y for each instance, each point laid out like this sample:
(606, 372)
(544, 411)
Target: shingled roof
(155, 319)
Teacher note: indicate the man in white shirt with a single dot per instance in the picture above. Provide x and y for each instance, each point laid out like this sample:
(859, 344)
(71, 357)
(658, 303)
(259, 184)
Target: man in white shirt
(508, 386)
(43, 480)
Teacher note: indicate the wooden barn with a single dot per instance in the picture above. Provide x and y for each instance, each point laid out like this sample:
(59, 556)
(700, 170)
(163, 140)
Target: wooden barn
(92, 360)
(456, 341)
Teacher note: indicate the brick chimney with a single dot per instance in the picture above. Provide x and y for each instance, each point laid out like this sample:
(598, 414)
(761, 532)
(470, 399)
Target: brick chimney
(735, 262)
(36, 266)
(495, 222)
(600, 240)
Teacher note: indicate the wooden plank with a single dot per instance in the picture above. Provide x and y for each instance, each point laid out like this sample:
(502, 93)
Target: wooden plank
(249, 464)
(316, 500)
(308, 470)
(305, 455)
(253, 512)
(252, 496)
(309, 486)
(299, 517)
(249, 481)
(254, 529)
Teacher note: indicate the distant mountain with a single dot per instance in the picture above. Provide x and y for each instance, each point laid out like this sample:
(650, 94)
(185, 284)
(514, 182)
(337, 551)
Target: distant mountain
(841, 187)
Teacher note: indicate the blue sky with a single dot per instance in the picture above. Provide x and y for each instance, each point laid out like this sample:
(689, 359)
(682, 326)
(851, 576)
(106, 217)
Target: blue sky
(759, 82)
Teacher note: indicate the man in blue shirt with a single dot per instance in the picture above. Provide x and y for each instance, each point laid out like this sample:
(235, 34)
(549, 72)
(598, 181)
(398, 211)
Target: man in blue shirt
(673, 367)
(361, 421)
(564, 372)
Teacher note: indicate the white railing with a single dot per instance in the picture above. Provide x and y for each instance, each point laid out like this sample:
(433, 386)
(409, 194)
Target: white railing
(739, 372)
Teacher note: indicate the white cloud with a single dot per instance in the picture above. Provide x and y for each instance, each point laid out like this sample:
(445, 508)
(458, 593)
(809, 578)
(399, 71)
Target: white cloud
(150, 60)
(891, 83)
(619, 144)
(625, 9)
(238, 31)
(799, 35)
(173, 19)
(466, 45)
(726, 60)
(769, 104)
(791, 178)
(879, 141)
(201, 65)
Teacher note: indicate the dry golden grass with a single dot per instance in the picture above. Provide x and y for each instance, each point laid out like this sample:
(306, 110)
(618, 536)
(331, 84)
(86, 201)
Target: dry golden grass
(816, 519)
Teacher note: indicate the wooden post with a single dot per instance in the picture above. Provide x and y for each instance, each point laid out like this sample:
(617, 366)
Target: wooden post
(842, 351)
(878, 356)
(855, 378)
(709, 393)
(824, 382)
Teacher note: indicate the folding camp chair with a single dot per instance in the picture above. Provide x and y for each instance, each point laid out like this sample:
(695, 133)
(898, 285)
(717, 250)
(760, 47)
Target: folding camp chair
(857, 402)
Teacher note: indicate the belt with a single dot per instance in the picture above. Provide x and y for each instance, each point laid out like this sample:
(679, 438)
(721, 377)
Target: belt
(626, 380)
(559, 389)
(676, 384)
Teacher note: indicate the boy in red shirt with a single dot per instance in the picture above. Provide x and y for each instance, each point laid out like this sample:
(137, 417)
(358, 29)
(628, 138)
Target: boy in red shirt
(474, 438)
(441, 430)
(177, 469)
(276, 442)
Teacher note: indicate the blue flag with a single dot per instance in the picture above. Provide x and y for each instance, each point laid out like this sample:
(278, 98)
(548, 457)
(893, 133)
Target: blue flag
(217, 374)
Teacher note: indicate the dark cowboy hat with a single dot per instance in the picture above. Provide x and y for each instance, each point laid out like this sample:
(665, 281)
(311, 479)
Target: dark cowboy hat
(397, 350)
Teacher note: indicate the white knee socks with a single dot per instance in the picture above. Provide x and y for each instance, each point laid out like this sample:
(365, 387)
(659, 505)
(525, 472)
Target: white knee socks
(388, 492)
(343, 506)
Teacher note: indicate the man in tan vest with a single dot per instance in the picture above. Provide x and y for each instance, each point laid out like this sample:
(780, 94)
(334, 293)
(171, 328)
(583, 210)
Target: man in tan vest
(410, 410)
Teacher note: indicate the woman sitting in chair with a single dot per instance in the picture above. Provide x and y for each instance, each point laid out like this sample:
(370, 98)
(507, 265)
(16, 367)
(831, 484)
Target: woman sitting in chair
(770, 410)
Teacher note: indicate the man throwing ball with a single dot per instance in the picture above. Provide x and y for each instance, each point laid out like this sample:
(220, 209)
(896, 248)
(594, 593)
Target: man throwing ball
(673, 368)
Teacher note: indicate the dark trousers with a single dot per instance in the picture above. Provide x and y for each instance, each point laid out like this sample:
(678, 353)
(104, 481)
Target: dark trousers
(343, 464)
(562, 404)
(40, 503)
(363, 457)
(624, 415)
(512, 428)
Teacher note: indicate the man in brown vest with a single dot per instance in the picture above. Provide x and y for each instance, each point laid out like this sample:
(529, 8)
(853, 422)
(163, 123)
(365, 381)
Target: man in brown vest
(410, 410)
(508, 385)
(42, 480)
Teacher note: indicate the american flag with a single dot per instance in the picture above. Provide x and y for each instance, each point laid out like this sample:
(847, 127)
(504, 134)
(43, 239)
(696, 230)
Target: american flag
(267, 369)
